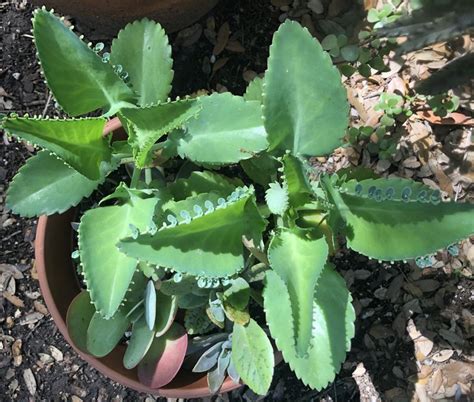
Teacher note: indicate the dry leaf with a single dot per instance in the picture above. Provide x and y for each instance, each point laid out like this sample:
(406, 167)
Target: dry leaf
(454, 118)
(222, 39)
(442, 355)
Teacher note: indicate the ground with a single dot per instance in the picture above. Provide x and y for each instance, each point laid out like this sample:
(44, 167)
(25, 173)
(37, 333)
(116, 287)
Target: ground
(415, 327)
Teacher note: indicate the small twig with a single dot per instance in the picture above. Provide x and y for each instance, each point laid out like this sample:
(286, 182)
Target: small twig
(48, 101)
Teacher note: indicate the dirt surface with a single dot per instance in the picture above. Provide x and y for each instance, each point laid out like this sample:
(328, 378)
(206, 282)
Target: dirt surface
(415, 327)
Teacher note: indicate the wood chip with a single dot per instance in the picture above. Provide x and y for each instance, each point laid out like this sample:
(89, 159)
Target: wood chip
(16, 301)
(17, 274)
(442, 355)
(16, 353)
(56, 353)
(31, 318)
(30, 381)
(40, 308)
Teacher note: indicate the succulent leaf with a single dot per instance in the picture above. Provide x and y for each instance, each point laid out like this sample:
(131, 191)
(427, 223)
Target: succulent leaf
(207, 244)
(166, 309)
(77, 142)
(276, 197)
(145, 126)
(150, 305)
(304, 102)
(299, 188)
(79, 316)
(238, 293)
(224, 119)
(254, 91)
(45, 185)
(143, 50)
(208, 359)
(79, 79)
(99, 232)
(197, 322)
(252, 356)
(139, 343)
(331, 335)
(299, 262)
(262, 169)
(396, 219)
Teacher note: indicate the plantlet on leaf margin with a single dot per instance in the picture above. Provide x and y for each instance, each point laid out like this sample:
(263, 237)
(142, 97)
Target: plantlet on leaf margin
(201, 241)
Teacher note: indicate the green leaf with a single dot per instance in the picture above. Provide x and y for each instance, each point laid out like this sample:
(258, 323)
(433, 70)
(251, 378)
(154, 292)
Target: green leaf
(329, 42)
(79, 316)
(304, 102)
(224, 119)
(108, 272)
(299, 189)
(276, 198)
(350, 53)
(203, 182)
(197, 322)
(143, 50)
(140, 342)
(78, 78)
(238, 294)
(254, 91)
(396, 219)
(145, 126)
(150, 305)
(262, 169)
(334, 315)
(204, 242)
(104, 334)
(45, 185)
(79, 142)
(166, 308)
(299, 261)
(252, 356)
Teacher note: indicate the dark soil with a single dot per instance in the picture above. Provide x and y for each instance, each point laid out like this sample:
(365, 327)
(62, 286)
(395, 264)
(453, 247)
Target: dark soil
(380, 347)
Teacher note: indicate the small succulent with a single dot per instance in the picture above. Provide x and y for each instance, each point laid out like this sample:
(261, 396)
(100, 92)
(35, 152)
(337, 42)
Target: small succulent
(223, 215)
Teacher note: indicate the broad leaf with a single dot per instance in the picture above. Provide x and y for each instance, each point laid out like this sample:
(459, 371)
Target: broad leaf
(45, 185)
(331, 336)
(108, 272)
(252, 356)
(393, 219)
(166, 309)
(276, 197)
(146, 126)
(238, 293)
(206, 241)
(104, 334)
(224, 119)
(79, 142)
(262, 169)
(299, 262)
(143, 50)
(139, 343)
(79, 316)
(304, 102)
(79, 79)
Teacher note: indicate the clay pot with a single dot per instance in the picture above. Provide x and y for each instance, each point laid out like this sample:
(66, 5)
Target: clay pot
(104, 18)
(59, 286)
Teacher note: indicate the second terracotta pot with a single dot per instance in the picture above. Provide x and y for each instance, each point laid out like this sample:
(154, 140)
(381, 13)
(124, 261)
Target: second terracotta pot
(104, 18)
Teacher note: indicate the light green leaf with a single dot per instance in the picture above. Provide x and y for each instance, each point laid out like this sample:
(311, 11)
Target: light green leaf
(108, 272)
(143, 50)
(276, 197)
(299, 262)
(104, 334)
(395, 219)
(331, 336)
(299, 189)
(45, 185)
(252, 356)
(238, 294)
(146, 126)
(79, 316)
(78, 142)
(224, 119)
(206, 241)
(166, 308)
(78, 78)
(254, 91)
(140, 342)
(304, 102)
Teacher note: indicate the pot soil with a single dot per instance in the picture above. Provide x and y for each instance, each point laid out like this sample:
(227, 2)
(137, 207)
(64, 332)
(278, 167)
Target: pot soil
(104, 18)
(59, 285)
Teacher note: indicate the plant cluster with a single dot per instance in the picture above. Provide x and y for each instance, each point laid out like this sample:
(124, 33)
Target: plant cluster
(223, 220)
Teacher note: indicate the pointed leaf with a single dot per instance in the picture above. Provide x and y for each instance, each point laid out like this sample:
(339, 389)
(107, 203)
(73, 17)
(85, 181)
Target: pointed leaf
(207, 244)
(164, 358)
(79, 316)
(79, 142)
(228, 119)
(299, 261)
(334, 318)
(143, 50)
(208, 359)
(78, 78)
(45, 185)
(252, 356)
(139, 344)
(304, 102)
(104, 334)
(146, 126)
(107, 271)
(395, 219)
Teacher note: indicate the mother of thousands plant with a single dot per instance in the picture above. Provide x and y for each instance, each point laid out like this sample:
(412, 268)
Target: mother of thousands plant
(192, 230)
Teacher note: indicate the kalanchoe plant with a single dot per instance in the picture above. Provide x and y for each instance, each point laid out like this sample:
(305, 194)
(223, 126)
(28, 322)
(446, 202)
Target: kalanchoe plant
(223, 217)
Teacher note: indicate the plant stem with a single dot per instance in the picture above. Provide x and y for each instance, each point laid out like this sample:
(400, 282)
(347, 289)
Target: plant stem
(135, 177)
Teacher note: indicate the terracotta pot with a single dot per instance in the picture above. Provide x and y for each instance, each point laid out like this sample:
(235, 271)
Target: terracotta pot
(104, 18)
(59, 286)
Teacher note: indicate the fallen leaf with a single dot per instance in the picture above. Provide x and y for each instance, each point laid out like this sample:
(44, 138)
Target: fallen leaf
(222, 39)
(454, 118)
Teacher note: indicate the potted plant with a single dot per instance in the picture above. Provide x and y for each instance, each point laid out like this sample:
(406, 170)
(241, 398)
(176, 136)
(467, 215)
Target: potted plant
(221, 239)
(104, 18)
